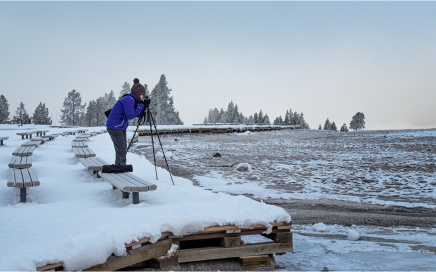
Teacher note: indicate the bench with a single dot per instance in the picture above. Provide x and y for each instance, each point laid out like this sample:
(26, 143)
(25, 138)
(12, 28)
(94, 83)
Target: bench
(40, 132)
(22, 178)
(83, 152)
(27, 134)
(48, 137)
(32, 143)
(128, 183)
(79, 144)
(20, 162)
(24, 151)
(2, 139)
(93, 164)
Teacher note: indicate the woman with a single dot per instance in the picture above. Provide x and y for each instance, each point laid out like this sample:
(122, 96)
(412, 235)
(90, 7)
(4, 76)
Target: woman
(126, 108)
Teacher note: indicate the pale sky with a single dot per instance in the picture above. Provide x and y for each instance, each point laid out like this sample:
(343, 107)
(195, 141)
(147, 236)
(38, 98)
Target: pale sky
(325, 59)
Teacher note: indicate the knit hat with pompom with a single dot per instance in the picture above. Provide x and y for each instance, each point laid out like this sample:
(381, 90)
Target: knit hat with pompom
(138, 88)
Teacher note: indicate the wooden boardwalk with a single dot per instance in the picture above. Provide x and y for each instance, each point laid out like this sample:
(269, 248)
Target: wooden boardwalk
(215, 129)
(214, 243)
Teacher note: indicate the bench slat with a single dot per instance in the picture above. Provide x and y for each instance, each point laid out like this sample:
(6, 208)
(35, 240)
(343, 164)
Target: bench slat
(127, 182)
(24, 151)
(20, 162)
(93, 163)
(85, 152)
(79, 144)
(22, 178)
(31, 143)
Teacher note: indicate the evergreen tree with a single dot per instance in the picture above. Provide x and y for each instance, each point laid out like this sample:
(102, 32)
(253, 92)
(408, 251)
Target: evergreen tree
(319, 128)
(327, 124)
(358, 121)
(125, 89)
(333, 127)
(162, 105)
(260, 117)
(266, 120)
(286, 121)
(21, 115)
(4, 109)
(41, 115)
(255, 118)
(73, 110)
(109, 99)
(344, 128)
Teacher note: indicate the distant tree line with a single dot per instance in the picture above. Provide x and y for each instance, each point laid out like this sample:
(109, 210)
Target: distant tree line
(292, 118)
(233, 116)
(40, 116)
(357, 123)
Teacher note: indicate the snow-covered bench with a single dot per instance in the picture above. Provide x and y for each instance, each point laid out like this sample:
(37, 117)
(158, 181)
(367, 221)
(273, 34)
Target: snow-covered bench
(27, 134)
(128, 183)
(79, 144)
(83, 152)
(93, 164)
(40, 132)
(2, 139)
(20, 162)
(22, 178)
(24, 151)
(32, 143)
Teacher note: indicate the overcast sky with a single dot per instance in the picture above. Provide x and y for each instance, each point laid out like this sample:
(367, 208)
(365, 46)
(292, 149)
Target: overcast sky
(324, 59)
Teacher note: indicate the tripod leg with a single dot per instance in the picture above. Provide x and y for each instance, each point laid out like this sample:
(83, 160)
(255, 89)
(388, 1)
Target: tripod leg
(157, 133)
(152, 145)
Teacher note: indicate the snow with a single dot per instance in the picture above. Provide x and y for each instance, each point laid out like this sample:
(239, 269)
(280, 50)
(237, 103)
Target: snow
(78, 219)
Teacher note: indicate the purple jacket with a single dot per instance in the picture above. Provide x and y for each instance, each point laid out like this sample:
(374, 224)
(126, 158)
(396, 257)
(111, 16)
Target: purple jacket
(126, 108)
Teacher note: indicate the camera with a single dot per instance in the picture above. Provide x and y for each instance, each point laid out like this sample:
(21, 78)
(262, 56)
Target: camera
(147, 101)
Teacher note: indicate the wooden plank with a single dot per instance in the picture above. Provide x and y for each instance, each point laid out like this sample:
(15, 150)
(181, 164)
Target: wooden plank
(85, 152)
(148, 252)
(20, 162)
(127, 182)
(79, 144)
(22, 178)
(48, 267)
(194, 255)
(93, 163)
(24, 151)
(31, 143)
(11, 179)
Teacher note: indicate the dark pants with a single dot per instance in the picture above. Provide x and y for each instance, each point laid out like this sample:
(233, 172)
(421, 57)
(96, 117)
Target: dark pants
(119, 139)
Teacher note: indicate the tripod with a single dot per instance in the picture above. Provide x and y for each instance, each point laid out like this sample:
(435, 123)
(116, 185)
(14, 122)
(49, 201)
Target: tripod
(147, 116)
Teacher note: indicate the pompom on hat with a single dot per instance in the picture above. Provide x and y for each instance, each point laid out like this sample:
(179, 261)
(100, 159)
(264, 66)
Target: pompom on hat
(138, 88)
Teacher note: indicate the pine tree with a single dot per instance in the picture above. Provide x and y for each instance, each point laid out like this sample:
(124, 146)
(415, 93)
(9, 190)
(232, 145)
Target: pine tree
(125, 89)
(4, 109)
(327, 124)
(319, 128)
(344, 128)
(260, 117)
(358, 121)
(110, 100)
(266, 119)
(73, 111)
(162, 105)
(41, 115)
(21, 115)
(333, 127)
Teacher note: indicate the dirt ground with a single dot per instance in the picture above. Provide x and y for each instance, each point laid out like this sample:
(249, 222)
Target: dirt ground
(405, 164)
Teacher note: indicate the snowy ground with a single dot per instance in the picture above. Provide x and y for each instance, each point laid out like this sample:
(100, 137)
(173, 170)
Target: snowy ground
(78, 219)
(390, 169)
(75, 218)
